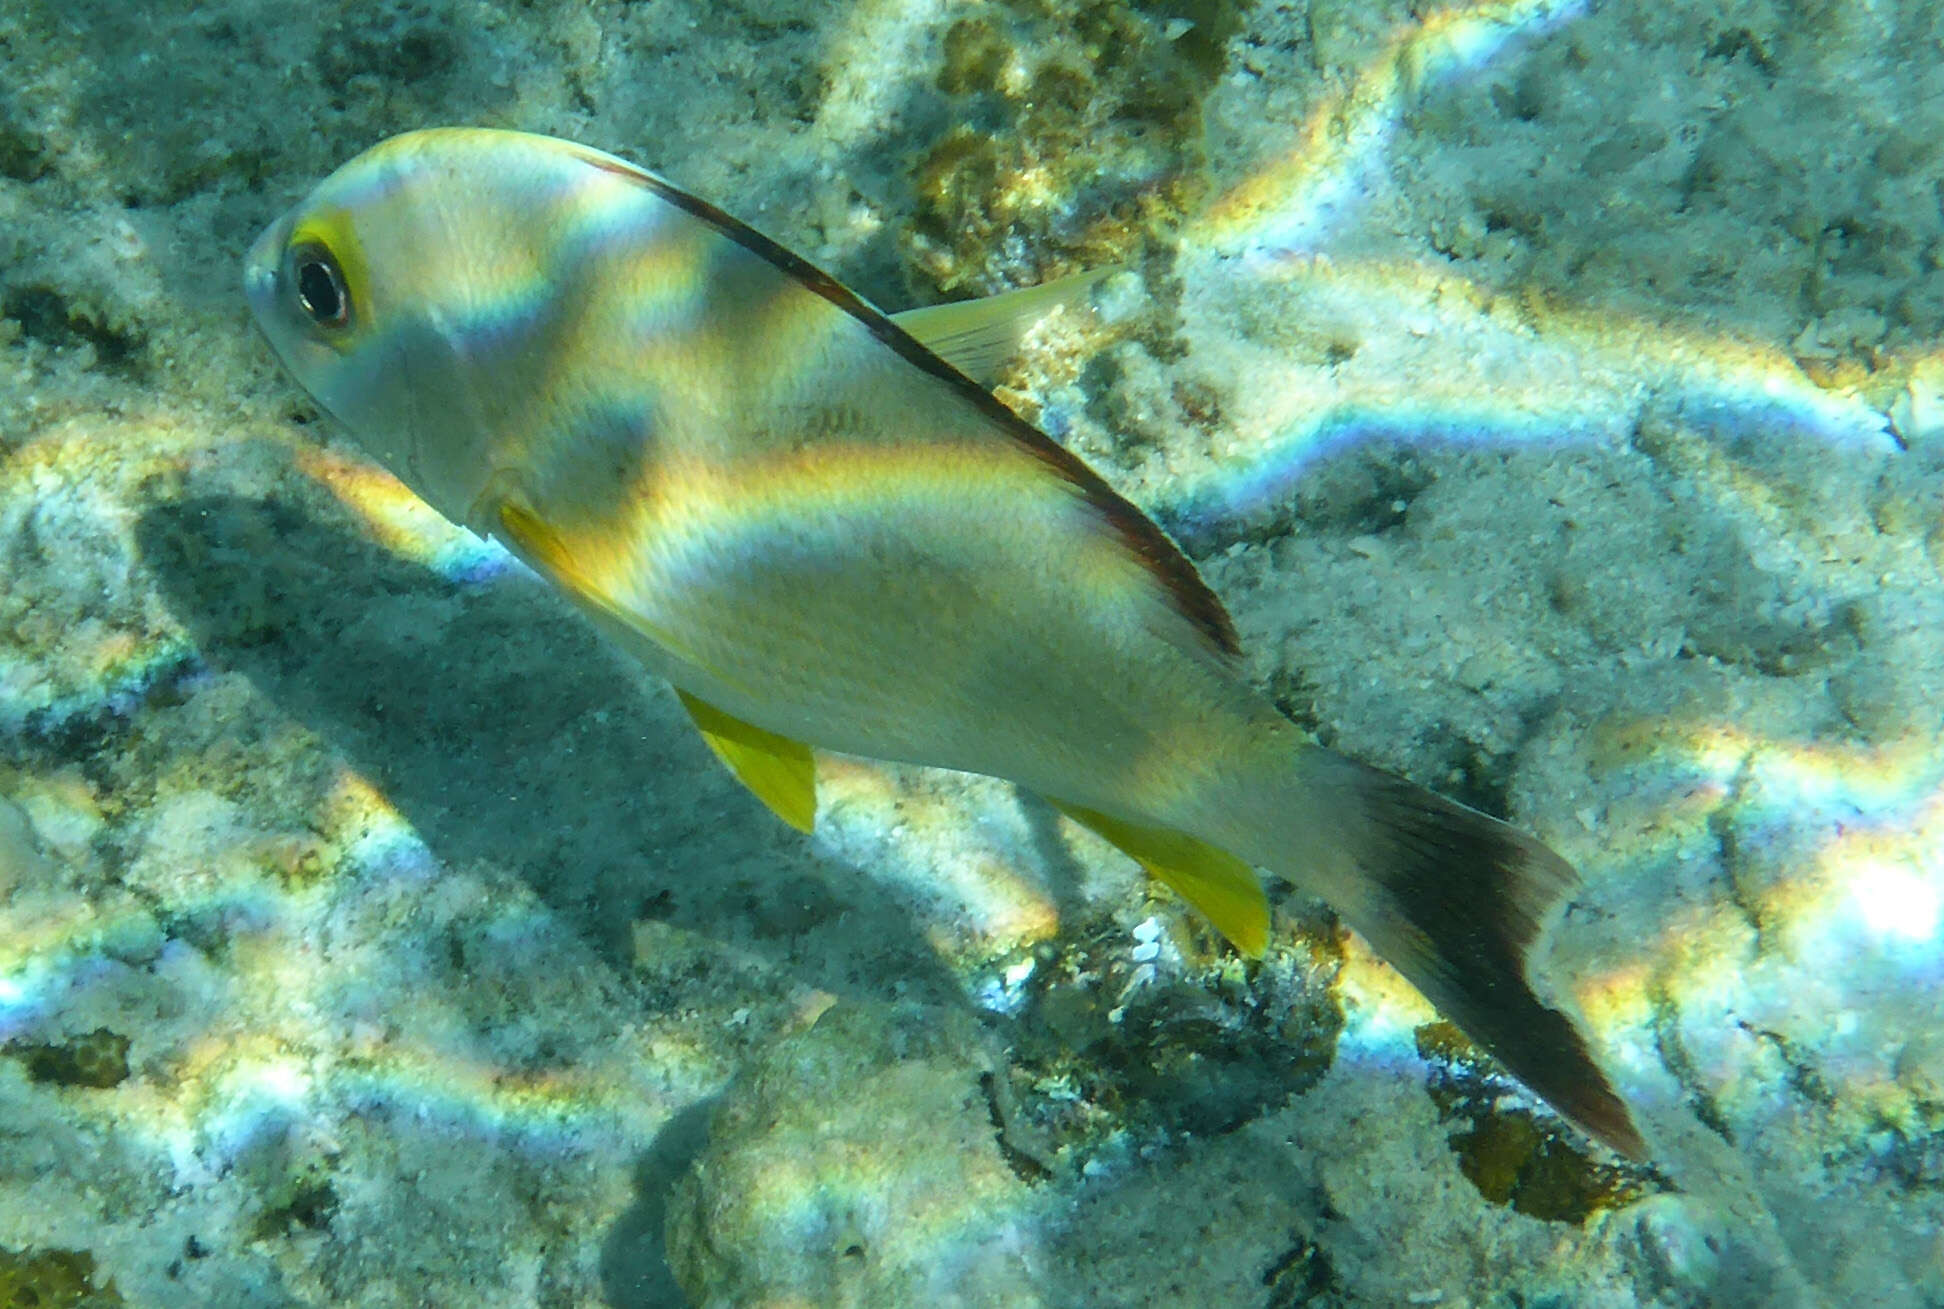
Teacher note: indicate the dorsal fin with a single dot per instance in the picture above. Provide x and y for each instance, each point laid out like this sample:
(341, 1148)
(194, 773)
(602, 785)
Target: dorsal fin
(977, 336)
(1183, 587)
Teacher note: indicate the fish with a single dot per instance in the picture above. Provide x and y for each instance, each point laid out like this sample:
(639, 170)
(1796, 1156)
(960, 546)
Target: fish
(819, 524)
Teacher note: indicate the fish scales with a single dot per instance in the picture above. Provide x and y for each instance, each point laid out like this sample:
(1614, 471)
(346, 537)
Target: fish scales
(808, 518)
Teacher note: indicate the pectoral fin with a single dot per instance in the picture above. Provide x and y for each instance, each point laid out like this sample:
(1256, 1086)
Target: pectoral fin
(780, 771)
(977, 336)
(544, 550)
(1214, 881)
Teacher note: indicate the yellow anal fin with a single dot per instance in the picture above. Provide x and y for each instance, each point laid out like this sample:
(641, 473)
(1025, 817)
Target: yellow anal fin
(977, 336)
(1214, 881)
(780, 771)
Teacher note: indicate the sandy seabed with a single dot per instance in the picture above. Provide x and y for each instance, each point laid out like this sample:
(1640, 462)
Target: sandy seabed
(1555, 394)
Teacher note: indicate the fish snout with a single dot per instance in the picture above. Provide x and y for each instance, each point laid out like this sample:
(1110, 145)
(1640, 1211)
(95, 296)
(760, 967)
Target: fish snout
(260, 269)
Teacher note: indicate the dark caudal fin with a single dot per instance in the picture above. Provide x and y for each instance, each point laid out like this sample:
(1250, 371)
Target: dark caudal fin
(1454, 901)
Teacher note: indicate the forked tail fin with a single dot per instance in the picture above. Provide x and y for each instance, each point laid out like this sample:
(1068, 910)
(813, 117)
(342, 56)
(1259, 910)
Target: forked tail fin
(1454, 901)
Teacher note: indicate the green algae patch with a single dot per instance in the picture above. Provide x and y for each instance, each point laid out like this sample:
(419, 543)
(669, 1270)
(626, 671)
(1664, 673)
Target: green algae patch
(98, 1060)
(1077, 137)
(307, 1204)
(1103, 1046)
(52, 1279)
(1514, 1160)
(1511, 1156)
(59, 320)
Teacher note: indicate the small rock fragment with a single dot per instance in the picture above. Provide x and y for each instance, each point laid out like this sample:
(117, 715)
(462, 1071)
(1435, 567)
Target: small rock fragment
(858, 1163)
(20, 855)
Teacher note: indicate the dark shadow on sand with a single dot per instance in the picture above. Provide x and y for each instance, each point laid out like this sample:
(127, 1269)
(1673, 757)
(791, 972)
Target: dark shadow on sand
(505, 731)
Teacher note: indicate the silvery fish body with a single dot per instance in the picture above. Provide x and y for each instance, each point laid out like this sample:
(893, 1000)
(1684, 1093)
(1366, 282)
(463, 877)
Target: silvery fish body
(802, 514)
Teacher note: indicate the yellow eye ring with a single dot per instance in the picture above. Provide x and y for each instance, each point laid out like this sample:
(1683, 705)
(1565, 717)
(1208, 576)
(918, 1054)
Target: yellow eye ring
(319, 285)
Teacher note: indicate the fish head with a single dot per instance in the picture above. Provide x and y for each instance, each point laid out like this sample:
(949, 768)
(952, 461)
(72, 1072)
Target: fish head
(410, 293)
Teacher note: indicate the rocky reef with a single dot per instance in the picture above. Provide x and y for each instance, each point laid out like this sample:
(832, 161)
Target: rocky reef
(1554, 393)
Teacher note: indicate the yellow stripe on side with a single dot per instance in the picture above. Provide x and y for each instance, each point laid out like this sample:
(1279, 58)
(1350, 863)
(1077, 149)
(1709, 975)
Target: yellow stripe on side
(780, 772)
(1214, 881)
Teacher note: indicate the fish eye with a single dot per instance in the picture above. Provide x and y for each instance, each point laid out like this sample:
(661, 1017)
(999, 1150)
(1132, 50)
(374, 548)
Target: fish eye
(320, 286)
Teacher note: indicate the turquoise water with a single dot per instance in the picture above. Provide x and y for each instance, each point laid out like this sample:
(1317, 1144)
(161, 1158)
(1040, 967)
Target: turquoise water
(1550, 391)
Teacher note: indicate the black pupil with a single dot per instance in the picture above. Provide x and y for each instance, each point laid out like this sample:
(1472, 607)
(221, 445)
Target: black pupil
(321, 291)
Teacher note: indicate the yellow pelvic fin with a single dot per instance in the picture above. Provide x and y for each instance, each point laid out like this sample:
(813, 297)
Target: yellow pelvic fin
(780, 771)
(540, 545)
(1214, 881)
(977, 336)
